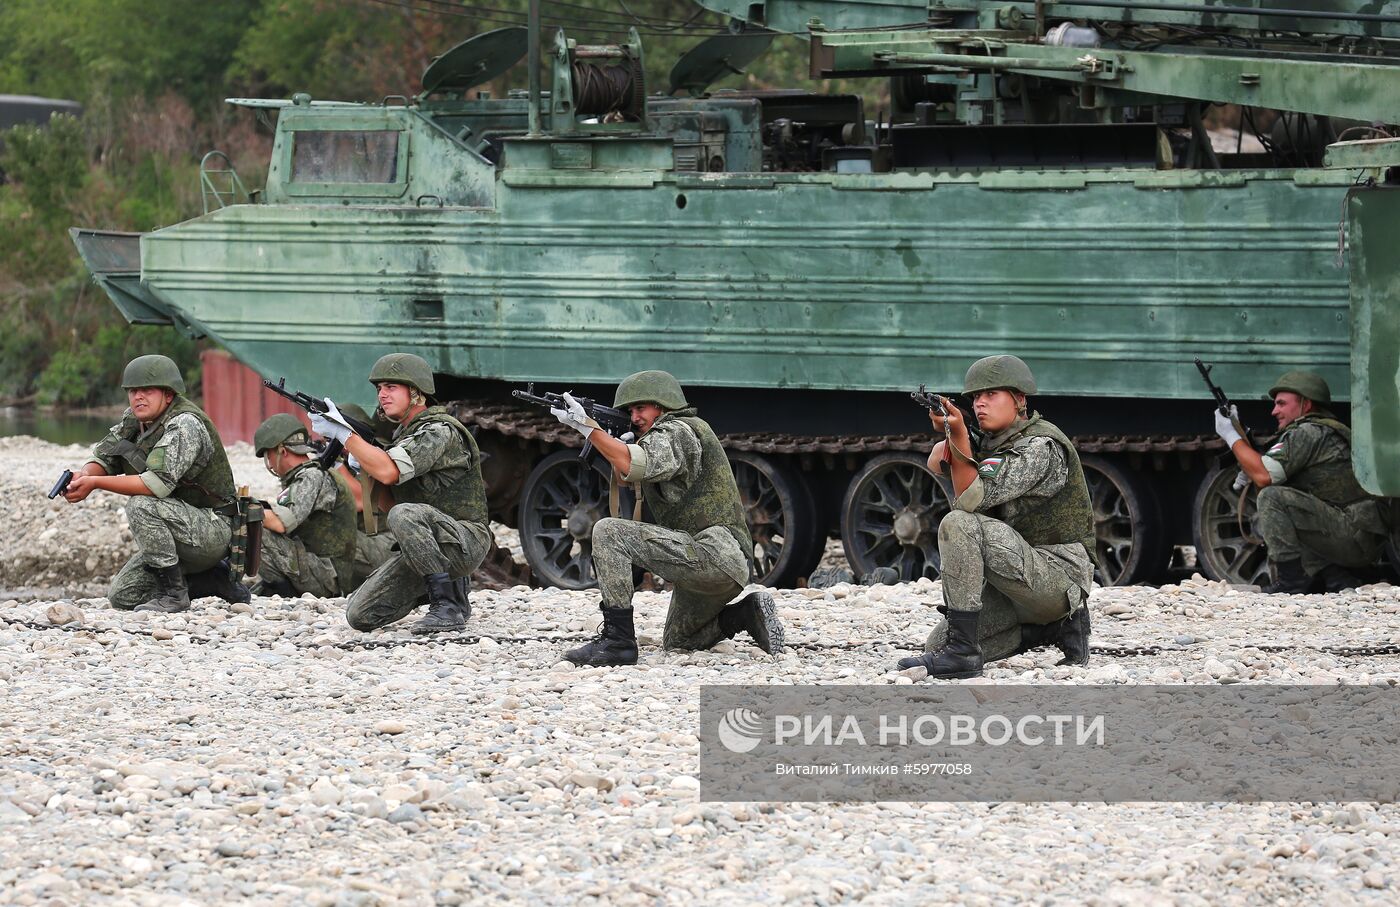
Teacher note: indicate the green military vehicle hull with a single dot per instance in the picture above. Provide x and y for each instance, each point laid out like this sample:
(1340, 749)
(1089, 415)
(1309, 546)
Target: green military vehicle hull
(796, 298)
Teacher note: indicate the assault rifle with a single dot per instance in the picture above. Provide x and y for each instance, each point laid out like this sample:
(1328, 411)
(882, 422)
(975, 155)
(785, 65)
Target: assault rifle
(318, 405)
(615, 422)
(1222, 402)
(935, 404)
(61, 485)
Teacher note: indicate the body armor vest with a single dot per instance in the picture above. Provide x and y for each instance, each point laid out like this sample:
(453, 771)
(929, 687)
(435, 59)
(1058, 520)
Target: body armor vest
(1330, 477)
(712, 499)
(330, 533)
(208, 486)
(1065, 517)
(456, 490)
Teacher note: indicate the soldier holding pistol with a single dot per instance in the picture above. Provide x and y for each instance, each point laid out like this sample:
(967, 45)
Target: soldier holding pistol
(167, 457)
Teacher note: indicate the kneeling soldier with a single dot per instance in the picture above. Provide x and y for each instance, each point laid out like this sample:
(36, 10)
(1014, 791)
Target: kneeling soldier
(309, 545)
(700, 542)
(1016, 548)
(439, 519)
(1315, 518)
(167, 456)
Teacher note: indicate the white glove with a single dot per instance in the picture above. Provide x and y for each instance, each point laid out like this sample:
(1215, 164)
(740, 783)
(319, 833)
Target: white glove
(1227, 426)
(332, 425)
(573, 415)
(1241, 482)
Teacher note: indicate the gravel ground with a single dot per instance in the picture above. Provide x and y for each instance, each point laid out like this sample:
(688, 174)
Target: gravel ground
(255, 753)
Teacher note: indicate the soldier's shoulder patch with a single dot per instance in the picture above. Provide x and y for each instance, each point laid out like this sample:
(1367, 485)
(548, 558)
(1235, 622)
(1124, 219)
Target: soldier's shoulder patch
(285, 498)
(1275, 450)
(990, 466)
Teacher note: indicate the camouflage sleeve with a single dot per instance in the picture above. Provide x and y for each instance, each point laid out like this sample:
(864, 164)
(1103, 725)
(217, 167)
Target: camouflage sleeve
(670, 452)
(310, 490)
(417, 453)
(1035, 469)
(101, 453)
(184, 445)
(1294, 451)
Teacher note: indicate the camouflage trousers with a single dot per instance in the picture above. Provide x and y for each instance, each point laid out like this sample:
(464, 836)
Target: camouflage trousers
(286, 560)
(370, 552)
(988, 567)
(429, 541)
(167, 532)
(1296, 525)
(702, 589)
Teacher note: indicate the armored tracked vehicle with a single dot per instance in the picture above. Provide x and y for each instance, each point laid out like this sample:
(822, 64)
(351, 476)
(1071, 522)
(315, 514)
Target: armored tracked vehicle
(1043, 184)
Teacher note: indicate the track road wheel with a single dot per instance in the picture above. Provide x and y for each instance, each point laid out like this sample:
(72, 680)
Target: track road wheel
(563, 498)
(890, 517)
(781, 517)
(1222, 550)
(1130, 539)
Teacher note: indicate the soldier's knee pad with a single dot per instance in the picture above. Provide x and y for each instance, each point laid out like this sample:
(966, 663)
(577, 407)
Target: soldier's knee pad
(956, 523)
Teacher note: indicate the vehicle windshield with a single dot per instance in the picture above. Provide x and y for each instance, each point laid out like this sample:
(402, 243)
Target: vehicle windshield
(339, 156)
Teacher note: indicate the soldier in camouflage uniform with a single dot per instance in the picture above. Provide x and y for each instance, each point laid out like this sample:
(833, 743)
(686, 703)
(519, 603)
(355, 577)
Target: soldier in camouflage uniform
(168, 458)
(1315, 518)
(371, 551)
(700, 541)
(308, 543)
(1017, 548)
(439, 519)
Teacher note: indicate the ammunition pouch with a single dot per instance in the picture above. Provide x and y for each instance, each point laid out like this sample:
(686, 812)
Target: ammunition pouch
(246, 554)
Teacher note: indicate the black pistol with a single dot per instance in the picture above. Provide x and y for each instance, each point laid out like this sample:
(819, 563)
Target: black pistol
(61, 485)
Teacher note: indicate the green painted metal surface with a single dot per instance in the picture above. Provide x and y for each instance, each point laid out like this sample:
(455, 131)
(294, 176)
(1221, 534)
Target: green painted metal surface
(862, 282)
(1374, 214)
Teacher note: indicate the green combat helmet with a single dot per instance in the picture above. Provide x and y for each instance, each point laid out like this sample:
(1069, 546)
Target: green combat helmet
(404, 368)
(282, 429)
(651, 386)
(154, 370)
(997, 372)
(1305, 384)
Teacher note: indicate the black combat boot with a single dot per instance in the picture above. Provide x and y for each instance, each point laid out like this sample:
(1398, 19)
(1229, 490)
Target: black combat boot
(274, 587)
(1338, 579)
(1289, 578)
(615, 644)
(172, 594)
(1073, 637)
(218, 581)
(1038, 636)
(448, 609)
(961, 657)
(756, 614)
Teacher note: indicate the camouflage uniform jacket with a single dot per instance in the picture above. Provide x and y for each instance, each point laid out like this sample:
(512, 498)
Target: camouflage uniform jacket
(180, 454)
(439, 464)
(1018, 474)
(317, 509)
(1313, 455)
(680, 468)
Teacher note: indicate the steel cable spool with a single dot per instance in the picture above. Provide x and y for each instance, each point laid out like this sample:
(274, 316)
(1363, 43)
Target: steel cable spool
(602, 90)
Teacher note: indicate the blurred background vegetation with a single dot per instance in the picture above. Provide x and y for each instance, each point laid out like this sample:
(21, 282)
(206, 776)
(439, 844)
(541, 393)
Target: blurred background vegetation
(152, 75)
